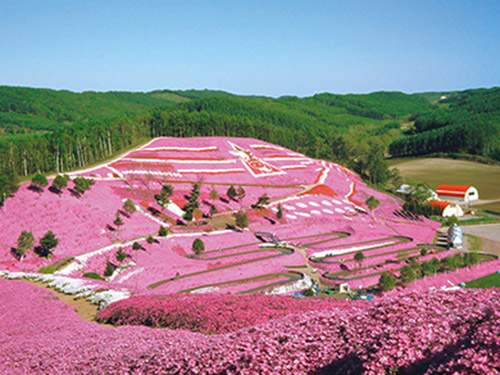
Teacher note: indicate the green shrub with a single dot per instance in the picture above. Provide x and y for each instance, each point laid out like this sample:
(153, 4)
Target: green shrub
(110, 268)
(198, 246)
(93, 275)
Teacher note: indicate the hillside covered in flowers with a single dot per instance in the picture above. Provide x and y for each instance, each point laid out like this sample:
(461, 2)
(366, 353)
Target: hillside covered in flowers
(410, 333)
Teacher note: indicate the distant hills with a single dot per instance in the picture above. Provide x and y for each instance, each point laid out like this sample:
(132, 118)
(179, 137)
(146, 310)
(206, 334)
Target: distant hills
(44, 130)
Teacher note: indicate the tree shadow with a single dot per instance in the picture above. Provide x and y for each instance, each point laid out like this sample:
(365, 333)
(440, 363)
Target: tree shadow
(42, 252)
(74, 193)
(55, 190)
(124, 213)
(14, 253)
(36, 189)
(270, 220)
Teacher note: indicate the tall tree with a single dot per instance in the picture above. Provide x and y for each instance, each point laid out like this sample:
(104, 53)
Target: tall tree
(25, 242)
(231, 192)
(47, 244)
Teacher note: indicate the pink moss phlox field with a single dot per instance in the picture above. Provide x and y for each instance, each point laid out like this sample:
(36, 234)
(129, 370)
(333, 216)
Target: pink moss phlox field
(211, 314)
(433, 333)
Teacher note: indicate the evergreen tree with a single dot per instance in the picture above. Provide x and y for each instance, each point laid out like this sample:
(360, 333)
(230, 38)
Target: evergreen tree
(129, 206)
(407, 274)
(59, 183)
(198, 246)
(163, 197)
(240, 193)
(214, 195)
(386, 282)
(8, 186)
(39, 181)
(25, 242)
(241, 219)
(82, 184)
(262, 201)
(279, 213)
(359, 257)
(121, 255)
(118, 220)
(110, 269)
(231, 192)
(47, 244)
(163, 231)
(372, 202)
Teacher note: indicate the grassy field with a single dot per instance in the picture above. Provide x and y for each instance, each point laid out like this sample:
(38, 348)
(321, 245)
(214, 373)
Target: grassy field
(489, 281)
(437, 171)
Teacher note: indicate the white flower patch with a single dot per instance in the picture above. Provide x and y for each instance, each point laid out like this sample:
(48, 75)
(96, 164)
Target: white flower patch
(336, 201)
(208, 289)
(304, 283)
(326, 203)
(130, 274)
(326, 253)
(328, 211)
(211, 148)
(314, 204)
(324, 173)
(288, 207)
(316, 212)
(339, 210)
(301, 205)
(293, 217)
(302, 214)
(183, 161)
(172, 207)
(104, 298)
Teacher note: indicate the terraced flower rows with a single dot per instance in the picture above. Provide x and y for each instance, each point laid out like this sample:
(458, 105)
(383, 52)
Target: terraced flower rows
(324, 222)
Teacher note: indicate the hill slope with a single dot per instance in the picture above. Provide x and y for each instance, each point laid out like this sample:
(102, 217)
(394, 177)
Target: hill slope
(470, 124)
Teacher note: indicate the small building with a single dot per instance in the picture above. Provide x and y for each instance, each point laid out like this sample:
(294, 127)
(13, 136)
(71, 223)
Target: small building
(457, 193)
(448, 209)
(455, 236)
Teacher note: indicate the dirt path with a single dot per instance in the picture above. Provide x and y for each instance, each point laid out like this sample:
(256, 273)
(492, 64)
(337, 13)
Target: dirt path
(83, 308)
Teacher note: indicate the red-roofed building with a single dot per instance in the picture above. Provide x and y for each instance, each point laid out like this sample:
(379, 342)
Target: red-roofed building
(448, 209)
(457, 193)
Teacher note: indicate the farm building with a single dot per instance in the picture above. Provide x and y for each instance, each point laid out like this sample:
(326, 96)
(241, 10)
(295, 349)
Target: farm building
(457, 193)
(448, 209)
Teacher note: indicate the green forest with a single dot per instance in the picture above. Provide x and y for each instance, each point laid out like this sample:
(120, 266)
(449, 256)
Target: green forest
(43, 131)
(466, 122)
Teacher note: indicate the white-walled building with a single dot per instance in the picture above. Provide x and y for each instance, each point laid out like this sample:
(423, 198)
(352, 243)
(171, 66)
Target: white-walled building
(448, 209)
(457, 193)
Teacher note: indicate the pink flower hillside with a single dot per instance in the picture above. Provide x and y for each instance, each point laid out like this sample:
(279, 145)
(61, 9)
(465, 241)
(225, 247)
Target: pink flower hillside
(211, 314)
(414, 333)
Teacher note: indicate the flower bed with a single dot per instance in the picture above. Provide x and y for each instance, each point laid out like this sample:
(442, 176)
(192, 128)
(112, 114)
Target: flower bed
(430, 333)
(211, 314)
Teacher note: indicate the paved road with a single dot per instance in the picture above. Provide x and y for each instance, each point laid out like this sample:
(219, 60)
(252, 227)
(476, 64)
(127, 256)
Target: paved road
(490, 231)
(490, 234)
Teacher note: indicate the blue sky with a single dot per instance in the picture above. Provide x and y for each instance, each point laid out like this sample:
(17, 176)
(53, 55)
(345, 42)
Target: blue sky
(251, 47)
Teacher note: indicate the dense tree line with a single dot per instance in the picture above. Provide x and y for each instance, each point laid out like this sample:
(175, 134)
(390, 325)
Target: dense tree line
(352, 129)
(470, 125)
